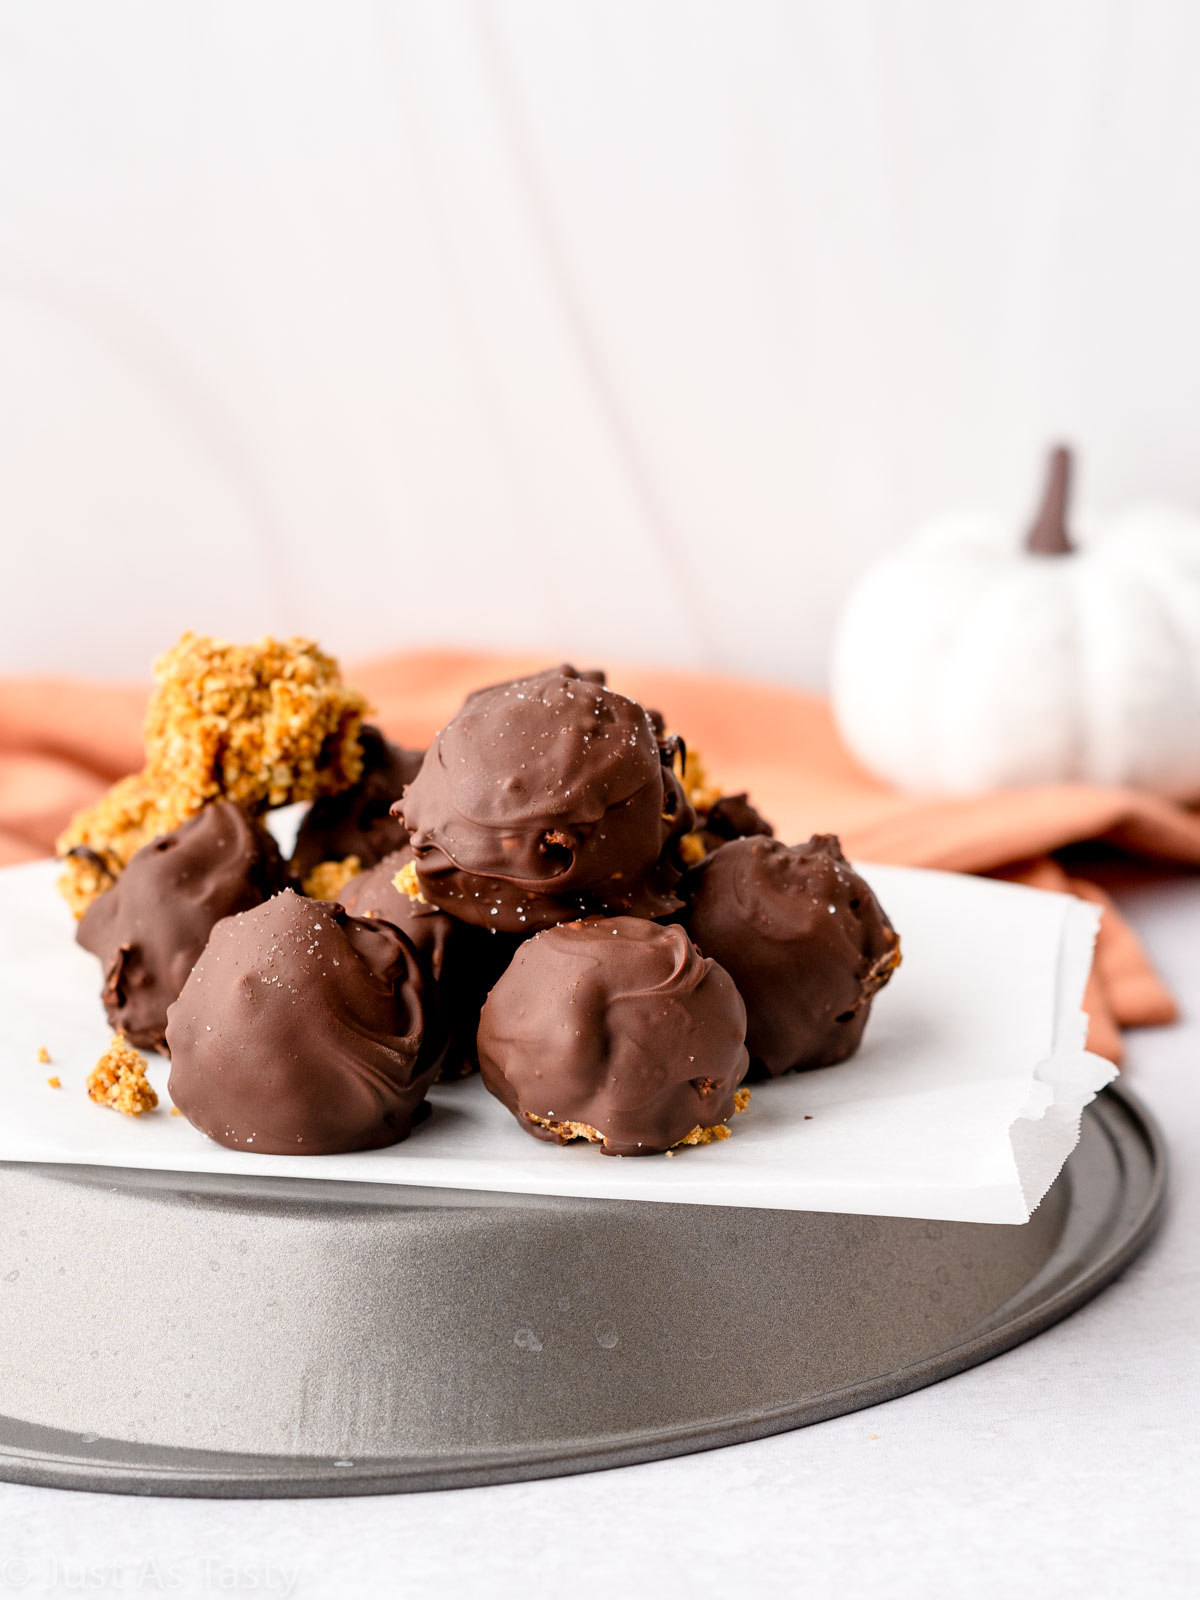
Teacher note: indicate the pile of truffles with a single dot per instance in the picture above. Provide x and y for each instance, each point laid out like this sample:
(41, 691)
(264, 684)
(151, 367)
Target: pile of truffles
(553, 894)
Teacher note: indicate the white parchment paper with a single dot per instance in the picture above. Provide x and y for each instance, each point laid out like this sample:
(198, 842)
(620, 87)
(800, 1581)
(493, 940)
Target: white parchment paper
(963, 1103)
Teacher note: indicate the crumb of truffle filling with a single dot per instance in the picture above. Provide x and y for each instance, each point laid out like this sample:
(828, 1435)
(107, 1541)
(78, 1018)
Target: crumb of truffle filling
(568, 1130)
(701, 792)
(55, 1082)
(175, 1111)
(261, 725)
(119, 1080)
(43, 1055)
(408, 883)
(701, 795)
(328, 878)
(691, 849)
(584, 1130)
(882, 970)
(741, 1101)
(703, 1135)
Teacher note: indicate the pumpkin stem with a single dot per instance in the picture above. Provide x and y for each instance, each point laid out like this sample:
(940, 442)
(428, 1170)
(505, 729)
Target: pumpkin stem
(1048, 534)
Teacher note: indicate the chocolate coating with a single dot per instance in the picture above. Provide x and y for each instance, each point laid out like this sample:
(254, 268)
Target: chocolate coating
(563, 670)
(804, 939)
(617, 1024)
(358, 821)
(459, 962)
(731, 817)
(301, 1031)
(149, 929)
(544, 800)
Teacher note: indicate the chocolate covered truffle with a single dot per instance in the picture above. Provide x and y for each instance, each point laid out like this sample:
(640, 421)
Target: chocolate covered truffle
(544, 800)
(302, 1031)
(459, 962)
(804, 939)
(149, 928)
(358, 822)
(731, 816)
(617, 1031)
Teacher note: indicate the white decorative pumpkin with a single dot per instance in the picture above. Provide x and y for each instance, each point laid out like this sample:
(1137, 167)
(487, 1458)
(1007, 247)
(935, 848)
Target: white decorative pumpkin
(985, 657)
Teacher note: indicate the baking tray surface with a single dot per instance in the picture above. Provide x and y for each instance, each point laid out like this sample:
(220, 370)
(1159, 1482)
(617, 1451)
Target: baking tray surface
(211, 1334)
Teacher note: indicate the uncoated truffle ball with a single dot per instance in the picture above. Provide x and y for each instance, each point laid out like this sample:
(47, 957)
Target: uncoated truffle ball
(544, 800)
(301, 1031)
(149, 929)
(618, 1031)
(804, 939)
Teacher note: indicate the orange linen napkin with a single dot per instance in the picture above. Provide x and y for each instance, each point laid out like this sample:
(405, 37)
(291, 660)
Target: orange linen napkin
(61, 744)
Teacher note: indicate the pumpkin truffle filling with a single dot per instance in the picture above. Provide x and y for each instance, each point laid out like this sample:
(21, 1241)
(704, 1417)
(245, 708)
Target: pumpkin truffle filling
(262, 725)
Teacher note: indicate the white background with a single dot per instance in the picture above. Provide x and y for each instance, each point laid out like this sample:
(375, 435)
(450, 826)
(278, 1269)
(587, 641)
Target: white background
(613, 327)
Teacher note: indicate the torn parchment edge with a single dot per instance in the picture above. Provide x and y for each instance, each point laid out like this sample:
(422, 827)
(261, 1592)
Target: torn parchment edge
(1046, 1129)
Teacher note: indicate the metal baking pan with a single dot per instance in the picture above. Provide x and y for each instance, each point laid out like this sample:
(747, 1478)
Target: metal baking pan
(210, 1335)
